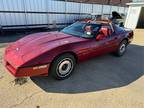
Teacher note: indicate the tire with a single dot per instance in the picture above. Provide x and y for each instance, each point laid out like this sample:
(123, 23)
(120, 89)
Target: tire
(122, 48)
(63, 66)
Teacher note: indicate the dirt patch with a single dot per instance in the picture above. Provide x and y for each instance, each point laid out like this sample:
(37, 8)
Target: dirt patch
(20, 81)
(1, 77)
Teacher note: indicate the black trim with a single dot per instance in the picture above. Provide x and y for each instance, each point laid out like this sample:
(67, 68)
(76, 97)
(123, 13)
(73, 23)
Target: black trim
(33, 12)
(35, 65)
(35, 25)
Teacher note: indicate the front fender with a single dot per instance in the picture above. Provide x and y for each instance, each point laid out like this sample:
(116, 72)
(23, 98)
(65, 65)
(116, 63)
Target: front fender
(49, 55)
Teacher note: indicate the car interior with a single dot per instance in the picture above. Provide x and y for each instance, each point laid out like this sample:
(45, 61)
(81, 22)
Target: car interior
(104, 32)
(101, 33)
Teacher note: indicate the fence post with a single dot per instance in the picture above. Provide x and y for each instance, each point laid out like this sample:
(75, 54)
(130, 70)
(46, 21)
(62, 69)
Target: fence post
(1, 31)
(80, 10)
(46, 4)
(92, 8)
(25, 13)
(102, 9)
(65, 12)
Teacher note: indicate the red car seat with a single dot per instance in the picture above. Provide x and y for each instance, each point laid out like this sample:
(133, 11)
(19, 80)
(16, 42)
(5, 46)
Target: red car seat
(103, 33)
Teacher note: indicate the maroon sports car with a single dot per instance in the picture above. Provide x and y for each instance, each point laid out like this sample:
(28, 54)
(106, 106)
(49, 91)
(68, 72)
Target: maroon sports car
(57, 53)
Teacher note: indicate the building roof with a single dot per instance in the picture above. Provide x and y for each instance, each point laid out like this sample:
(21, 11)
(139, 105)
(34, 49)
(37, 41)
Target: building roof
(104, 2)
(136, 4)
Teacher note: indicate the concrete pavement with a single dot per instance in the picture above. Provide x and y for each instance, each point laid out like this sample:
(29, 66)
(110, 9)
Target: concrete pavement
(102, 82)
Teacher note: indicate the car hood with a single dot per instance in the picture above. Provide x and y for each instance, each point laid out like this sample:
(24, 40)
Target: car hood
(37, 41)
(34, 45)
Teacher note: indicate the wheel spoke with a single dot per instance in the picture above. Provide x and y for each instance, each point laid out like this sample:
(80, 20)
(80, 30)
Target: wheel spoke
(122, 48)
(65, 67)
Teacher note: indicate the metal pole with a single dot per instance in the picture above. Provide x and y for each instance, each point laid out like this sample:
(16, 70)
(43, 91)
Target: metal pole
(80, 10)
(65, 12)
(102, 9)
(25, 14)
(110, 8)
(92, 8)
(46, 4)
(4, 14)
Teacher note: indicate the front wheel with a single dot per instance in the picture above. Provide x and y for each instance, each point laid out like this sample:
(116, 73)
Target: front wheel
(122, 48)
(63, 66)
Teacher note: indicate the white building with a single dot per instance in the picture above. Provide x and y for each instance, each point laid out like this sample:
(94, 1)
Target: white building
(135, 16)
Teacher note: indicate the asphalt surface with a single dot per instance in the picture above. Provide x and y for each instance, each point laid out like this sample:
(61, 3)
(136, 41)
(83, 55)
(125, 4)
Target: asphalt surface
(101, 82)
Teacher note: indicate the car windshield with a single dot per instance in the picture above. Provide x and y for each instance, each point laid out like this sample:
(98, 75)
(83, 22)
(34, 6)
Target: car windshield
(77, 29)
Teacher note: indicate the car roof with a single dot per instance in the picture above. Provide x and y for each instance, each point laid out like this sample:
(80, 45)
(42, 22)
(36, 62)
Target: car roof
(99, 22)
(103, 21)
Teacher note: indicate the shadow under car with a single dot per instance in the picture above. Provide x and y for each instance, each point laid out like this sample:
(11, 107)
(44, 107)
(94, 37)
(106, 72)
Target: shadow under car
(99, 73)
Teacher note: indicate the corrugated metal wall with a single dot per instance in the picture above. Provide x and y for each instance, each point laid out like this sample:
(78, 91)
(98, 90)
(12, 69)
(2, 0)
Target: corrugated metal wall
(43, 13)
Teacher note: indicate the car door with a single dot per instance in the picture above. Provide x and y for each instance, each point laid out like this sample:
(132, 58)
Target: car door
(99, 47)
(106, 45)
(84, 49)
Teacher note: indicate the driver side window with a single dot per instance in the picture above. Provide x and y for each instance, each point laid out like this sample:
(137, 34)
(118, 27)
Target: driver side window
(91, 30)
(107, 31)
(104, 33)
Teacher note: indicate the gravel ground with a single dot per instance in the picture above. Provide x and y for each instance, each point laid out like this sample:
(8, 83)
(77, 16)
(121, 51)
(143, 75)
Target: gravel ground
(102, 82)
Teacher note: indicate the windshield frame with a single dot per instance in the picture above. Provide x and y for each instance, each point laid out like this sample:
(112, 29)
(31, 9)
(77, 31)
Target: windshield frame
(81, 34)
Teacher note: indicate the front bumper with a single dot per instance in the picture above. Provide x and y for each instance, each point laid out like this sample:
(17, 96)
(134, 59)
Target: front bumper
(41, 70)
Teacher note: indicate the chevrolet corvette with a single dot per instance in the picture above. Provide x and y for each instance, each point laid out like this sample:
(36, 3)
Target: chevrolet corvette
(56, 53)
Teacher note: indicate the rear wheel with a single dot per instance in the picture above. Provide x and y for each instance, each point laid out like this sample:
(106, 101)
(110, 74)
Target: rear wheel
(122, 48)
(63, 66)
